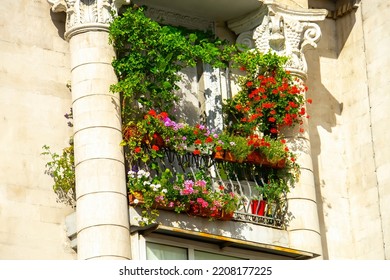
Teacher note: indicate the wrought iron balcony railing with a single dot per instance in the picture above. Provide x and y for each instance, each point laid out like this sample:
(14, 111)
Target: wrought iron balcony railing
(240, 178)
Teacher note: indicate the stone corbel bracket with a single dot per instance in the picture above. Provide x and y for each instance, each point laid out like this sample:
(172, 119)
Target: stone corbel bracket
(86, 15)
(343, 9)
(283, 30)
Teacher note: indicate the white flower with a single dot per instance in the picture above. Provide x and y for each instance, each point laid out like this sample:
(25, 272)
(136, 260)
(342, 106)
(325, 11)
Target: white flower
(136, 201)
(164, 191)
(146, 183)
(155, 187)
(142, 173)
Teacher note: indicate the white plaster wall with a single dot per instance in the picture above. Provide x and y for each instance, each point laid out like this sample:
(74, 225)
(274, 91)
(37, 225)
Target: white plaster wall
(348, 132)
(376, 32)
(34, 70)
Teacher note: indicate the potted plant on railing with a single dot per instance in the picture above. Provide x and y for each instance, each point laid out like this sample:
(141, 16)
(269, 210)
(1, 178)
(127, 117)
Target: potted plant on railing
(268, 151)
(236, 148)
(151, 193)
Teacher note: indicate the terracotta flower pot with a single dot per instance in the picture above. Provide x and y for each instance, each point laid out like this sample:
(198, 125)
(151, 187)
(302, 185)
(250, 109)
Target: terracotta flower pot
(229, 156)
(255, 157)
(136, 198)
(226, 216)
(158, 140)
(219, 155)
(130, 132)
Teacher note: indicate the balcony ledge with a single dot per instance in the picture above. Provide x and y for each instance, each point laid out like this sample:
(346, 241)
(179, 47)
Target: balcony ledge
(224, 233)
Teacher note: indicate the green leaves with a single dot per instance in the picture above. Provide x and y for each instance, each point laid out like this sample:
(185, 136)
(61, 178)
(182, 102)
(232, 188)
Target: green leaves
(150, 56)
(61, 168)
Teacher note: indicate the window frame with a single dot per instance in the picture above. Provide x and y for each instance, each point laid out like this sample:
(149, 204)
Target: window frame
(192, 245)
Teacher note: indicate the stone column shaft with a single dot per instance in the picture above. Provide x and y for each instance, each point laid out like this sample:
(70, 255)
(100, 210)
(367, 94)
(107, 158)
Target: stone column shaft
(102, 209)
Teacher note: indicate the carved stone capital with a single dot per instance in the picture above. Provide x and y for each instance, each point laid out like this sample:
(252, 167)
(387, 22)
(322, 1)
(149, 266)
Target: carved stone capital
(86, 15)
(283, 30)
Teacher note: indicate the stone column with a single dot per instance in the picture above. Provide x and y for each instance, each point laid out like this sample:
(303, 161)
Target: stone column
(102, 210)
(289, 32)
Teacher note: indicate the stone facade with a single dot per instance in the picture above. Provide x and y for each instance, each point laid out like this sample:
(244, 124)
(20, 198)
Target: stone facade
(35, 68)
(345, 182)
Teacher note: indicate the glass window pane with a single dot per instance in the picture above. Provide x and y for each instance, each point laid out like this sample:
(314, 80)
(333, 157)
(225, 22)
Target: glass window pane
(201, 255)
(156, 251)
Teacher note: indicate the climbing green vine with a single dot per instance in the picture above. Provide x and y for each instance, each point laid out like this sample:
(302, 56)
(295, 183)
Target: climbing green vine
(150, 56)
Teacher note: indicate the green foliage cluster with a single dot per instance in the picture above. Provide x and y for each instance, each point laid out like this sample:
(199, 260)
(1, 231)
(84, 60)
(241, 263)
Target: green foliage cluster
(150, 56)
(61, 168)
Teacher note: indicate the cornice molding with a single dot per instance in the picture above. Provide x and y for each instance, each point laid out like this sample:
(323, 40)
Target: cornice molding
(344, 9)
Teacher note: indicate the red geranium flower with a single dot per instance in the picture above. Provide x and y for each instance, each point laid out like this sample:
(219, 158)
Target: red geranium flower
(155, 147)
(137, 150)
(196, 152)
(152, 112)
(271, 119)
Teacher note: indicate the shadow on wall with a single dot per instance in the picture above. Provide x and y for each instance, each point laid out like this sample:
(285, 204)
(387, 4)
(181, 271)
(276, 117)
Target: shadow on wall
(337, 9)
(323, 113)
(326, 107)
(58, 19)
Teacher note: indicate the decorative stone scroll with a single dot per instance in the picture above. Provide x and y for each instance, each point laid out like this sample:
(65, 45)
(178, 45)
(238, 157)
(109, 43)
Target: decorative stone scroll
(84, 15)
(286, 31)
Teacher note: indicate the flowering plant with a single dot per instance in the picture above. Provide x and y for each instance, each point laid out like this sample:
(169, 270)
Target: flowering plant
(274, 150)
(269, 99)
(182, 194)
(149, 192)
(204, 200)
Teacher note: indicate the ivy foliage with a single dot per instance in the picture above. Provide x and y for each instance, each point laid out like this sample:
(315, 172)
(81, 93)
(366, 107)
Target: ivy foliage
(150, 56)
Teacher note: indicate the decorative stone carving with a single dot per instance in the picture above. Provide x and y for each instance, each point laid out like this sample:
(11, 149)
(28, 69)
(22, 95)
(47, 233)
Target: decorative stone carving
(246, 39)
(288, 32)
(83, 15)
(173, 18)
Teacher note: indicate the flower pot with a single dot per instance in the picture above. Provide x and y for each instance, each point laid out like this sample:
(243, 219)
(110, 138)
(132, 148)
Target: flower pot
(229, 156)
(280, 164)
(158, 140)
(219, 155)
(162, 206)
(136, 198)
(258, 207)
(130, 132)
(226, 216)
(255, 157)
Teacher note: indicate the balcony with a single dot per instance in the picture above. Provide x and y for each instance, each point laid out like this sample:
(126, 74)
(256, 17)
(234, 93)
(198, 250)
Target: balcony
(264, 232)
(239, 178)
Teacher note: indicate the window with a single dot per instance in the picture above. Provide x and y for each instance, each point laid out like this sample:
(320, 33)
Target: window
(157, 246)
(157, 251)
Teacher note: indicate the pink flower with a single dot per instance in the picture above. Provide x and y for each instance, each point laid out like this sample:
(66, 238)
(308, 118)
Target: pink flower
(200, 183)
(188, 188)
(202, 202)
